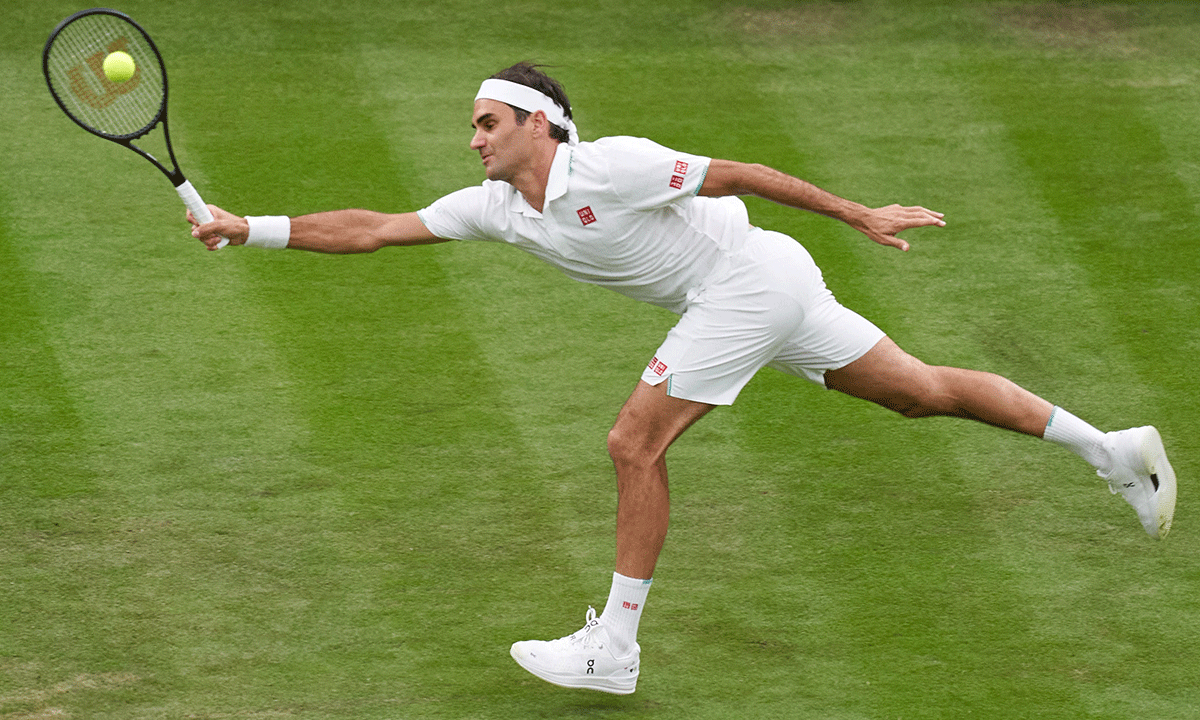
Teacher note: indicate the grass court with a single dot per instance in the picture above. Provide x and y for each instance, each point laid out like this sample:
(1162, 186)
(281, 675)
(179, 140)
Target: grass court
(248, 484)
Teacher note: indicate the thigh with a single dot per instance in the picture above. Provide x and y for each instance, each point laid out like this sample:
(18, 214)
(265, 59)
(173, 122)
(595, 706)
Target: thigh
(883, 374)
(651, 419)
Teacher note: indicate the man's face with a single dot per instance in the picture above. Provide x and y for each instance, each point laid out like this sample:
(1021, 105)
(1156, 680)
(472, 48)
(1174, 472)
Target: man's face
(504, 146)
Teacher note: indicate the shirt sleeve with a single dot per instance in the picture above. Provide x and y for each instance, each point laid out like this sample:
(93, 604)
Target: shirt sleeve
(646, 175)
(459, 215)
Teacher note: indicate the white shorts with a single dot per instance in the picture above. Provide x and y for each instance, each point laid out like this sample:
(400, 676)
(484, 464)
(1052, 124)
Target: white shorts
(766, 305)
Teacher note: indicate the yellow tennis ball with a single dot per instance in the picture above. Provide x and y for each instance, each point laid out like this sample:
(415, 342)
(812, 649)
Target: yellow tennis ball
(119, 67)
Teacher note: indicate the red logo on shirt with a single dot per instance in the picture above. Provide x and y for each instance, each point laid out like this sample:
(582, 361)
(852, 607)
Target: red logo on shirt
(586, 215)
(657, 366)
(681, 167)
(677, 181)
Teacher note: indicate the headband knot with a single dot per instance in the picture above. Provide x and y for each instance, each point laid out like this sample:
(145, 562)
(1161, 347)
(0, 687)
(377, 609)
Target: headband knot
(529, 100)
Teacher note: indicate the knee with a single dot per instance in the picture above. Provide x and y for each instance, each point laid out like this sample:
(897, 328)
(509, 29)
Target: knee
(627, 446)
(926, 396)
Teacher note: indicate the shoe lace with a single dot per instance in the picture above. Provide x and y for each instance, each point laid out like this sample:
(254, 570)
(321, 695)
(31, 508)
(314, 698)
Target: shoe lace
(588, 636)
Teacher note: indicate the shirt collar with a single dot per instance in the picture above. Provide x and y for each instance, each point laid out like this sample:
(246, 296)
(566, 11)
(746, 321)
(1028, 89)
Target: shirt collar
(560, 170)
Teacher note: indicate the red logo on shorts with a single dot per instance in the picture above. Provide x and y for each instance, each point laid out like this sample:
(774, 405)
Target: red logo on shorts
(677, 181)
(681, 167)
(657, 366)
(586, 215)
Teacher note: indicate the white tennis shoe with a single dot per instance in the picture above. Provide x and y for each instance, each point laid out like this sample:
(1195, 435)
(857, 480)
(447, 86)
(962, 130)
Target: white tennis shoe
(581, 660)
(1142, 475)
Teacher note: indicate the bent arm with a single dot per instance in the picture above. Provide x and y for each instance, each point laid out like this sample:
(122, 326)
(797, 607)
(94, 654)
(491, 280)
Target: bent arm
(337, 231)
(727, 177)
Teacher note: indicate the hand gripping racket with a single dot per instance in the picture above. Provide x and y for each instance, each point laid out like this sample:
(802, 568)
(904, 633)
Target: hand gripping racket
(122, 112)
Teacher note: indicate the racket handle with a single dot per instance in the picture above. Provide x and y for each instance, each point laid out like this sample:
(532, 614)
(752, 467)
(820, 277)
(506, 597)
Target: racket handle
(191, 198)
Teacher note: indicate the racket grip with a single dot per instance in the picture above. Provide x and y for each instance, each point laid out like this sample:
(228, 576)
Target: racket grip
(200, 211)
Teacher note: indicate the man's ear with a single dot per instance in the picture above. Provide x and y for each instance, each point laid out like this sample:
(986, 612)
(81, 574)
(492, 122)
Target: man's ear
(541, 126)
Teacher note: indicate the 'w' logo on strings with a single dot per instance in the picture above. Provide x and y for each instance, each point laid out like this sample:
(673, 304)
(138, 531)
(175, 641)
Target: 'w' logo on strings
(109, 90)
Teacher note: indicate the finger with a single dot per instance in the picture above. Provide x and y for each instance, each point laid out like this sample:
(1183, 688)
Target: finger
(903, 218)
(933, 214)
(918, 210)
(920, 217)
(891, 241)
(208, 231)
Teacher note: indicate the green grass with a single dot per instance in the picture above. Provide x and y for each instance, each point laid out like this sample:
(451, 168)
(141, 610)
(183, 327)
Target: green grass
(277, 485)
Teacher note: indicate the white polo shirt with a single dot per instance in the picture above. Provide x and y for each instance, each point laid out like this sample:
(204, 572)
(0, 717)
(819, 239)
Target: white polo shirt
(620, 212)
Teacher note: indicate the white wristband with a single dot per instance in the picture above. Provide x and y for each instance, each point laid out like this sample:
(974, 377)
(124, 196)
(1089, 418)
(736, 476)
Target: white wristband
(269, 231)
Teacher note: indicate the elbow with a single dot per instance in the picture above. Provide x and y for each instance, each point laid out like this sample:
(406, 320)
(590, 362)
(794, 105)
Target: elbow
(363, 243)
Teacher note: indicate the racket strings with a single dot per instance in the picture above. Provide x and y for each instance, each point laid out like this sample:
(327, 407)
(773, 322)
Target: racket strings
(75, 61)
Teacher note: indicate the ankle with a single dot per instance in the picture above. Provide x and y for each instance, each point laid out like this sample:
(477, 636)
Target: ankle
(623, 612)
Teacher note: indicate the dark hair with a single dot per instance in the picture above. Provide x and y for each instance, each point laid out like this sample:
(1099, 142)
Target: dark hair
(528, 74)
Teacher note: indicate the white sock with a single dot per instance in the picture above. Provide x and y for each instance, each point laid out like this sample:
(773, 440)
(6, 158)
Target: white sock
(623, 612)
(1079, 437)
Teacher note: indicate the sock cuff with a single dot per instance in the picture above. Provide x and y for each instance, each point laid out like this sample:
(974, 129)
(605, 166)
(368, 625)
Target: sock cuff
(630, 583)
(1065, 427)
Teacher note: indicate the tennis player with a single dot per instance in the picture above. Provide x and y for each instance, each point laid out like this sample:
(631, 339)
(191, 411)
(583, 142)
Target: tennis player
(667, 228)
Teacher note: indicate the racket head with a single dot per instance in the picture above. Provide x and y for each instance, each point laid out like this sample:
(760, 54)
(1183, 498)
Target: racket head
(72, 62)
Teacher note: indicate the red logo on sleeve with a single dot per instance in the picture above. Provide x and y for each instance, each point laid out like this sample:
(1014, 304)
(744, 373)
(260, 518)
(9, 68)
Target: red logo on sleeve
(680, 167)
(677, 182)
(586, 215)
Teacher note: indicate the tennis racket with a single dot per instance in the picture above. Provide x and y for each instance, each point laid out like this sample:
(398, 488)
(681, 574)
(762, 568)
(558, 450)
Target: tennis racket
(122, 112)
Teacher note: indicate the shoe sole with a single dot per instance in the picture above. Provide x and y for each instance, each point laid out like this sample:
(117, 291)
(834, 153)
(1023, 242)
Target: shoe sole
(1154, 459)
(577, 682)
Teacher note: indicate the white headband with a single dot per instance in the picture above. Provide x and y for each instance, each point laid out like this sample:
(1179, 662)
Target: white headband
(529, 100)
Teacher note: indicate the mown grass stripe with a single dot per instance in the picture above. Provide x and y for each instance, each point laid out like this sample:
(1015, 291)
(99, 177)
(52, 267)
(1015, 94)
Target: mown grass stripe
(38, 420)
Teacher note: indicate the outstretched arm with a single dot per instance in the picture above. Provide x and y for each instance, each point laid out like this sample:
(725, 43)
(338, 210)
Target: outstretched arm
(338, 231)
(726, 177)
